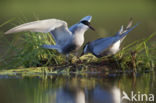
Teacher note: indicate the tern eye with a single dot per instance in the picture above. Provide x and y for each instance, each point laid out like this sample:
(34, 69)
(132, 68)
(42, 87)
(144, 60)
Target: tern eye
(85, 22)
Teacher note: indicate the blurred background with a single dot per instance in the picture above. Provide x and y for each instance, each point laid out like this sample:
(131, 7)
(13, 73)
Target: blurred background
(108, 15)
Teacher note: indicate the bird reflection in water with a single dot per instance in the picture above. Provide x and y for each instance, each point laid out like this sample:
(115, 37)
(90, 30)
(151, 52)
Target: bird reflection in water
(85, 95)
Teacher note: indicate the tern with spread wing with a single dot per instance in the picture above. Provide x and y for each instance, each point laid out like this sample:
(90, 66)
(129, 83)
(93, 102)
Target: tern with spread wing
(67, 40)
(109, 45)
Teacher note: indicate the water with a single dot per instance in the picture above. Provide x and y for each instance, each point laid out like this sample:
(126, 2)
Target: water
(75, 88)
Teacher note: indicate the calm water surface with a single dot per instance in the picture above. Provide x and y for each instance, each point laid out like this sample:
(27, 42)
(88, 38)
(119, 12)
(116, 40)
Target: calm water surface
(75, 89)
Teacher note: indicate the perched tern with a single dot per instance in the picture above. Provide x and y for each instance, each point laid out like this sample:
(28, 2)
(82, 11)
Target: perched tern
(110, 45)
(67, 40)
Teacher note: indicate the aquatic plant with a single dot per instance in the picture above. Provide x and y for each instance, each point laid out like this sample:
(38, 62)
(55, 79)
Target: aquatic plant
(138, 54)
(25, 50)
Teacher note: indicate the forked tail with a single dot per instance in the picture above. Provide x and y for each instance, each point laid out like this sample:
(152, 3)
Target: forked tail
(130, 29)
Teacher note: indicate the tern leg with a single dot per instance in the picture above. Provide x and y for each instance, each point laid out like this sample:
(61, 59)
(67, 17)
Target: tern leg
(67, 57)
(77, 57)
(68, 61)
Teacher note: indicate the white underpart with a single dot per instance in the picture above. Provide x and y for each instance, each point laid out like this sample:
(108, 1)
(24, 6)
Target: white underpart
(79, 35)
(116, 47)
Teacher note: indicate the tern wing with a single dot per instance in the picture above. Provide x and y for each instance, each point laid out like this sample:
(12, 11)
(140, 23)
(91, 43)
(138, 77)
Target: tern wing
(100, 45)
(58, 28)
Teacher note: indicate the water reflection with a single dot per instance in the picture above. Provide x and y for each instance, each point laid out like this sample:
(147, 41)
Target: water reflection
(96, 95)
(75, 89)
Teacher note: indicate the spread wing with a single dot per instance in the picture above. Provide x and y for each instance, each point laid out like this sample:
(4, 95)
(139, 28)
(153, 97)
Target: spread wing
(58, 28)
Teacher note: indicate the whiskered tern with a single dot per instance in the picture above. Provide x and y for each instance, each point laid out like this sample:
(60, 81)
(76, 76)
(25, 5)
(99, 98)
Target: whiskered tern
(109, 45)
(67, 40)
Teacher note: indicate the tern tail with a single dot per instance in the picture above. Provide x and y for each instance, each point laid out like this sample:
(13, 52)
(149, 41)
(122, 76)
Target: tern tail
(130, 29)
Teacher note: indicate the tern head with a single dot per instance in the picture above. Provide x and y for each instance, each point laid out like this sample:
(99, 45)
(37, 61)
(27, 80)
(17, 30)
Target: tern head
(85, 49)
(86, 22)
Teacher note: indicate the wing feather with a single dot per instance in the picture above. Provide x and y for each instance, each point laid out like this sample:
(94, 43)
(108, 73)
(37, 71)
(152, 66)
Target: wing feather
(43, 26)
(57, 28)
(101, 45)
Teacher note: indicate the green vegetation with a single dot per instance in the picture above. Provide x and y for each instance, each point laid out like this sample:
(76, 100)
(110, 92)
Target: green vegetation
(139, 54)
(25, 51)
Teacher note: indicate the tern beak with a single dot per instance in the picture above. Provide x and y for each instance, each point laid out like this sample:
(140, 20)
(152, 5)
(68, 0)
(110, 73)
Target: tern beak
(91, 27)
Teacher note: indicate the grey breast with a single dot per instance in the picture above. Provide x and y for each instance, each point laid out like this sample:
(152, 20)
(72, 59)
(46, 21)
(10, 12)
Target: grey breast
(68, 48)
(70, 45)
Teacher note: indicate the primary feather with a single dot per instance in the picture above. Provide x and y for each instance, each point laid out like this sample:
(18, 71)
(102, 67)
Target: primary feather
(58, 29)
(44, 26)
